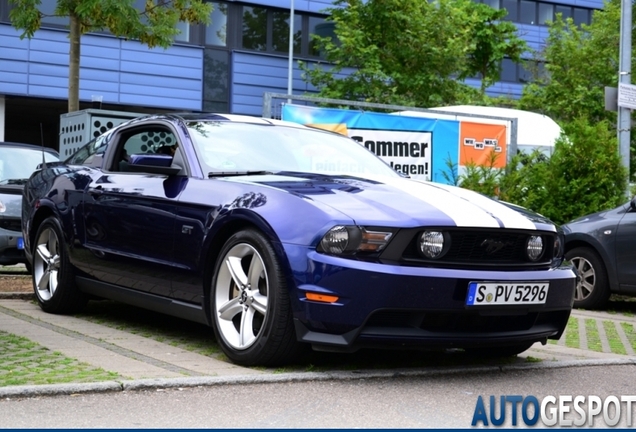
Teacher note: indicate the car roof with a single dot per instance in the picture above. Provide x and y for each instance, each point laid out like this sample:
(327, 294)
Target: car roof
(237, 118)
(29, 146)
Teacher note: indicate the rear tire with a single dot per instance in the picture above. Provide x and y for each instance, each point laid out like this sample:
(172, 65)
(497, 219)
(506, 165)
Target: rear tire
(251, 312)
(53, 275)
(592, 287)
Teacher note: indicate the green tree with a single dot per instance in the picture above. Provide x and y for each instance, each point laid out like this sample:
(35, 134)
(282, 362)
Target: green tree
(493, 39)
(482, 178)
(155, 25)
(410, 52)
(584, 174)
(579, 63)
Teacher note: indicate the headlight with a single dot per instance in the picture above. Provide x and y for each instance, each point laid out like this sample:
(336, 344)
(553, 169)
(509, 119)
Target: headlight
(433, 244)
(336, 240)
(534, 248)
(3, 208)
(350, 239)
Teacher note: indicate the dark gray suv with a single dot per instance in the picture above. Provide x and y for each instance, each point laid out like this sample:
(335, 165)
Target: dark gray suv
(17, 162)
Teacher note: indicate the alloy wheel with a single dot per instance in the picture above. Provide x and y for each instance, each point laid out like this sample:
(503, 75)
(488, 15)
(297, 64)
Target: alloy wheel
(46, 264)
(587, 281)
(241, 292)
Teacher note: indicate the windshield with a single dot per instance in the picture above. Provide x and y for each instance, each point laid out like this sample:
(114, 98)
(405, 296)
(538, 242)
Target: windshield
(242, 147)
(17, 163)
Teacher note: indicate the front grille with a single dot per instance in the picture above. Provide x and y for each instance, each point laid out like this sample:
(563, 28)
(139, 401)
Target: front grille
(11, 224)
(471, 248)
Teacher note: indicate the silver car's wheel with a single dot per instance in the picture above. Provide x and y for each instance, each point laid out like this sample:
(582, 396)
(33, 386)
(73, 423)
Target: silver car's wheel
(53, 275)
(250, 306)
(241, 296)
(592, 286)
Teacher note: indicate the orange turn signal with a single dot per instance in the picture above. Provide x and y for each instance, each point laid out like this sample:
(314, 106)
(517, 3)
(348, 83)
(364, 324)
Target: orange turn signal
(325, 298)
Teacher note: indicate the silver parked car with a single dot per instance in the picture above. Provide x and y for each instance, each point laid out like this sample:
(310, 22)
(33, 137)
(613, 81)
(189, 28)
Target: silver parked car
(17, 163)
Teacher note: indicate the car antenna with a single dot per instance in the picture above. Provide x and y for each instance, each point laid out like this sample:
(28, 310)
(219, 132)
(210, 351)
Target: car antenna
(42, 141)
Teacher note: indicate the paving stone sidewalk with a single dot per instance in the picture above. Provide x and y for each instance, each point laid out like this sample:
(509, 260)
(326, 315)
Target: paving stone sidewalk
(137, 359)
(129, 355)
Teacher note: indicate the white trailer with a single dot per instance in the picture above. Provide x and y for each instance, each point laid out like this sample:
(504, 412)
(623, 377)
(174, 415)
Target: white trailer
(533, 131)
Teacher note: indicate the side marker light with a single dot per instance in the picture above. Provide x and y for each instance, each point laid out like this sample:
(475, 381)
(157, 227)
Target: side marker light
(324, 298)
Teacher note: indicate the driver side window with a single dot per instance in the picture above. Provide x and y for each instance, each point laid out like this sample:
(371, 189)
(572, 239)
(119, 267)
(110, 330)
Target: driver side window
(149, 140)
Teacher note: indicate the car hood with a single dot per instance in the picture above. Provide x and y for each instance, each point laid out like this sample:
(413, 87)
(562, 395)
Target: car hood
(404, 202)
(599, 220)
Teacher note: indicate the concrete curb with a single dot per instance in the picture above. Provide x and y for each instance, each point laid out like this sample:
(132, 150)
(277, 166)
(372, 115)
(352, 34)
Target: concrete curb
(168, 383)
(17, 296)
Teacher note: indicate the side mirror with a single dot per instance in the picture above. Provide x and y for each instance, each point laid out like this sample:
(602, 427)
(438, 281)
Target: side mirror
(632, 203)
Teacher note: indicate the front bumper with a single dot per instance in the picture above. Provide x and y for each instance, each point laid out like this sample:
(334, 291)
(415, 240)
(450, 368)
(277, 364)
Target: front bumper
(417, 307)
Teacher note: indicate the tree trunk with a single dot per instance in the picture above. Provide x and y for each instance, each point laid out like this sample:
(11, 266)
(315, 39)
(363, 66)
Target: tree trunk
(74, 64)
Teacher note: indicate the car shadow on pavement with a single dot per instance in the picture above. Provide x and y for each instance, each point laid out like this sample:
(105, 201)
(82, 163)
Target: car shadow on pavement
(200, 339)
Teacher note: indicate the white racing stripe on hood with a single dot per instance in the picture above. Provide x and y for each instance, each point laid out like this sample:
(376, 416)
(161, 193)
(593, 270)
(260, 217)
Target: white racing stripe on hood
(464, 207)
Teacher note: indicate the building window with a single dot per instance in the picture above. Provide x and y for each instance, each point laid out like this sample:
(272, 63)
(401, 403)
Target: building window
(280, 31)
(216, 78)
(254, 28)
(184, 32)
(511, 6)
(565, 11)
(528, 12)
(533, 12)
(524, 72)
(47, 9)
(508, 71)
(216, 32)
(4, 11)
(320, 27)
(492, 3)
(546, 13)
(582, 16)
(267, 30)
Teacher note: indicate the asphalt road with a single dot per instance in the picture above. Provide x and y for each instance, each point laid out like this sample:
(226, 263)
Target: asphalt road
(440, 401)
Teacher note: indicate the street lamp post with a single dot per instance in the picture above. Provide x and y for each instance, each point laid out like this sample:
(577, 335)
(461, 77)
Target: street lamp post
(624, 76)
(290, 65)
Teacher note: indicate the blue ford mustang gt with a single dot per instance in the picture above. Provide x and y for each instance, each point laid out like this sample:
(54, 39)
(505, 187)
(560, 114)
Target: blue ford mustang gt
(280, 237)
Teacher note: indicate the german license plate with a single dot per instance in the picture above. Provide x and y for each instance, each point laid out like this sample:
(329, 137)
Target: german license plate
(506, 293)
(20, 243)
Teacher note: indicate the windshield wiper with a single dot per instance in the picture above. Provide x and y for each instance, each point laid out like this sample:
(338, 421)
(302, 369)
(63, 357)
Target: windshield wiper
(236, 173)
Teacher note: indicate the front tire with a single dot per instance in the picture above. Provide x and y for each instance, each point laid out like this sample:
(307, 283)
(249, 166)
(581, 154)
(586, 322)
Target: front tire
(252, 317)
(592, 287)
(53, 274)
